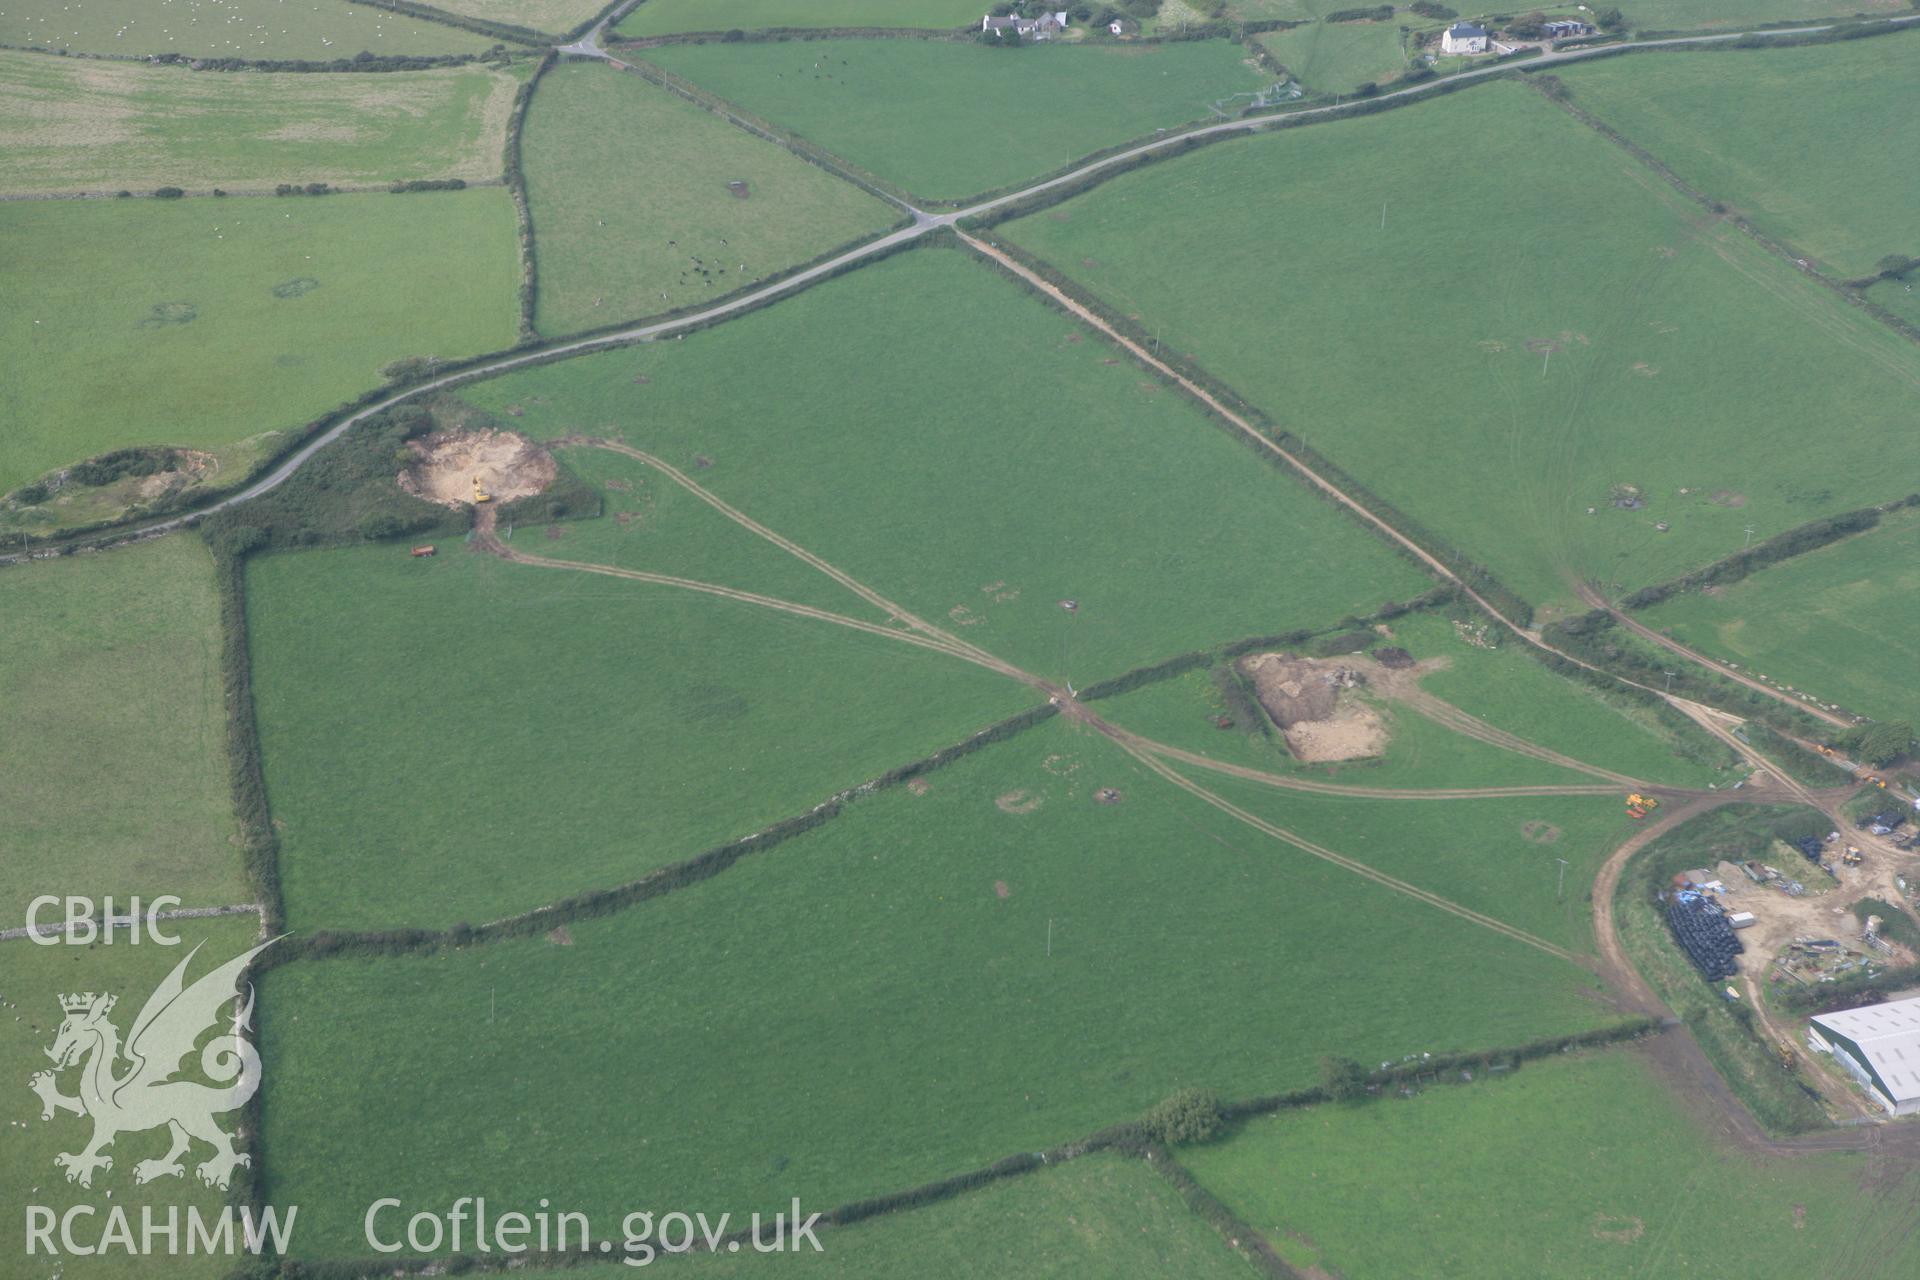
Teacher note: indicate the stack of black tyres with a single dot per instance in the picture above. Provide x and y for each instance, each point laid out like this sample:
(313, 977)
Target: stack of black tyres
(1704, 934)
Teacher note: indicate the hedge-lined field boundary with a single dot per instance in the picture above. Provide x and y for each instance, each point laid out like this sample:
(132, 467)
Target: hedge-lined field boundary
(327, 943)
(1311, 461)
(1235, 1232)
(516, 178)
(1590, 638)
(1556, 92)
(766, 130)
(1796, 541)
(362, 61)
(1198, 659)
(259, 846)
(785, 35)
(1127, 1139)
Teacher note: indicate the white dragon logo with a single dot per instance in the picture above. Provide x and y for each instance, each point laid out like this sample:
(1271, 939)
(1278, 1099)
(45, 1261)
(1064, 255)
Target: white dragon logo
(147, 1096)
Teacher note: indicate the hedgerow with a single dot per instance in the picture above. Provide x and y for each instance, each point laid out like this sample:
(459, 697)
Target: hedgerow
(516, 180)
(1795, 541)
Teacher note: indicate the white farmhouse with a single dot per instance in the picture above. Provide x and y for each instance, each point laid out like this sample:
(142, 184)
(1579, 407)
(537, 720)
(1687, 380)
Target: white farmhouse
(1044, 27)
(1464, 37)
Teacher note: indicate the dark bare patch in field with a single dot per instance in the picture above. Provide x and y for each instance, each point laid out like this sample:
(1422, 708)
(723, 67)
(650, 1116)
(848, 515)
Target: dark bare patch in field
(738, 189)
(170, 313)
(1540, 831)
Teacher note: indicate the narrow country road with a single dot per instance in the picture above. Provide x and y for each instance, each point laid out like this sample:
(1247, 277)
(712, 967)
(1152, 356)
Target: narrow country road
(1678, 1049)
(923, 223)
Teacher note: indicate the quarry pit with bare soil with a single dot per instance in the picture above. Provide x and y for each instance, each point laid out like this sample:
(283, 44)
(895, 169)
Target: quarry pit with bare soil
(448, 467)
(1314, 703)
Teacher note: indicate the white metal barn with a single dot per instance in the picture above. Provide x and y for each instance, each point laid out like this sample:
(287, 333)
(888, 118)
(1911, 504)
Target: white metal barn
(1879, 1046)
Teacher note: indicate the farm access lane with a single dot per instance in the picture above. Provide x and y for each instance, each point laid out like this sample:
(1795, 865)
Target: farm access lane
(1595, 600)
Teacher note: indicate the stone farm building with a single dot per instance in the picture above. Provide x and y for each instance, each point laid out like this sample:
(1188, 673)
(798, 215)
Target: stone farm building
(1044, 27)
(1879, 1046)
(1464, 37)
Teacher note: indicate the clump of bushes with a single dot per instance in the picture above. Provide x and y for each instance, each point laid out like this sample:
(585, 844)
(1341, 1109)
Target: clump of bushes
(119, 464)
(1343, 1079)
(1184, 1117)
(1879, 744)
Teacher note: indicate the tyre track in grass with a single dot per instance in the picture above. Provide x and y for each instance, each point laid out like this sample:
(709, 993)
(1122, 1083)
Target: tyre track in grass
(946, 641)
(1147, 752)
(1448, 716)
(889, 607)
(1166, 771)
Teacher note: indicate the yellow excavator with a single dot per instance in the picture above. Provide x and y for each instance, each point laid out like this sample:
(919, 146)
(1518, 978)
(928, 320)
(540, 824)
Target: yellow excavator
(1639, 806)
(480, 493)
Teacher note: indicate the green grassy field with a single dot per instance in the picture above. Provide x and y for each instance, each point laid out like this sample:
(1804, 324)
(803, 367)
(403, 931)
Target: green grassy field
(78, 125)
(1508, 359)
(113, 769)
(940, 119)
(1581, 1166)
(1498, 857)
(1101, 1215)
(1899, 297)
(36, 978)
(652, 524)
(670, 17)
(1776, 135)
(1842, 621)
(995, 462)
(158, 322)
(1510, 690)
(1419, 753)
(1338, 57)
(925, 984)
(554, 16)
(569, 732)
(1502, 687)
(640, 217)
(1734, 15)
(252, 29)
